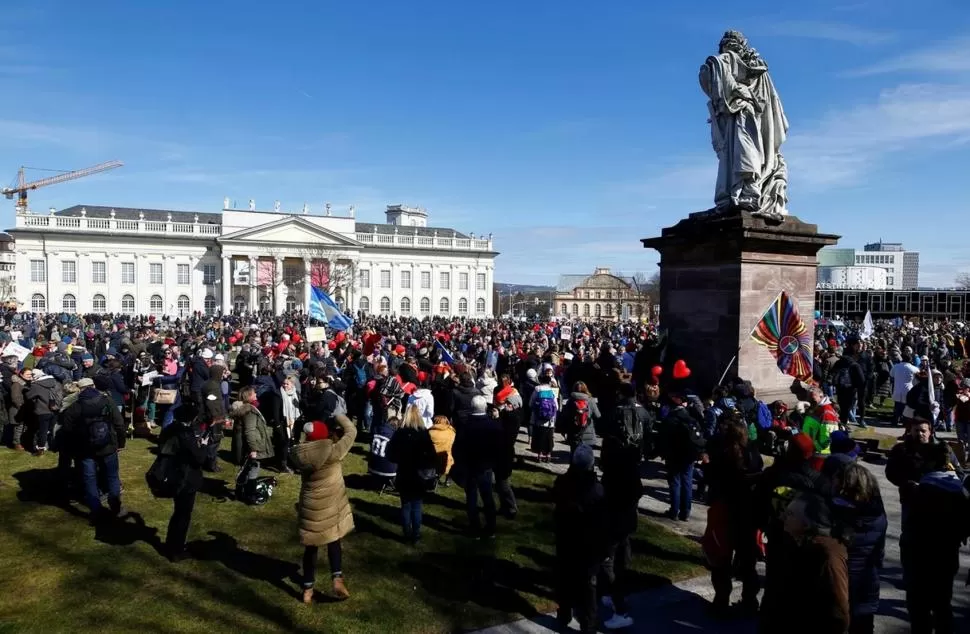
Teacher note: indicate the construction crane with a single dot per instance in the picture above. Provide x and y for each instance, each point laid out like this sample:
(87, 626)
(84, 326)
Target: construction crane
(22, 186)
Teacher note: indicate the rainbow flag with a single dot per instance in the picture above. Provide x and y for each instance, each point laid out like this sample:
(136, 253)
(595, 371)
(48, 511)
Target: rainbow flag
(787, 337)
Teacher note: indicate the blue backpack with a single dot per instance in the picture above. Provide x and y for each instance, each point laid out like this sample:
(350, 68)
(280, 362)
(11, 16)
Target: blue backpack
(545, 405)
(765, 419)
(360, 374)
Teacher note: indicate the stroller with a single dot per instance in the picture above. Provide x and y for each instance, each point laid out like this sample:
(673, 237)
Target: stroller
(253, 491)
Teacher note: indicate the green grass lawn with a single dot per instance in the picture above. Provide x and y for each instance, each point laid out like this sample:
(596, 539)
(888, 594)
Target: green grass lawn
(57, 574)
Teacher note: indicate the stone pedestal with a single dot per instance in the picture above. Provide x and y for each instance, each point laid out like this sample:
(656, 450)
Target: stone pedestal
(718, 274)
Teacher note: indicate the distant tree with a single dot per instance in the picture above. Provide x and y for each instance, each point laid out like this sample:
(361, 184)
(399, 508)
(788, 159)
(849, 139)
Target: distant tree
(962, 280)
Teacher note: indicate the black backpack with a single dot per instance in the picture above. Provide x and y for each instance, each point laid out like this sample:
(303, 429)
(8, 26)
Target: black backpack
(163, 477)
(98, 430)
(843, 377)
(629, 426)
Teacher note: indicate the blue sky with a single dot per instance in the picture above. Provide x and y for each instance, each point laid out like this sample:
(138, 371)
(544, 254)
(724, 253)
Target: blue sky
(567, 129)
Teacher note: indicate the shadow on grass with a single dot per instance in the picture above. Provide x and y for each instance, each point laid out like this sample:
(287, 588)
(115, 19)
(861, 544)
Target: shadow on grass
(224, 549)
(483, 580)
(216, 488)
(391, 512)
(127, 531)
(44, 486)
(219, 598)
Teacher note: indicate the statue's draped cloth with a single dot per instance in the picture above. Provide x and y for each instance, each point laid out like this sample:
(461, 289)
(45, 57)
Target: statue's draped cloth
(748, 126)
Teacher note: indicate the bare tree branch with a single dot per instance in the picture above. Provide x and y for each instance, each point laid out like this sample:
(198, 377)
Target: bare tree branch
(962, 280)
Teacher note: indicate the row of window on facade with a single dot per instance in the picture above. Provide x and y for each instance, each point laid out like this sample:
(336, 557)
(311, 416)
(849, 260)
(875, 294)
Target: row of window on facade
(99, 304)
(444, 280)
(597, 310)
(424, 306)
(874, 259)
(581, 294)
(99, 272)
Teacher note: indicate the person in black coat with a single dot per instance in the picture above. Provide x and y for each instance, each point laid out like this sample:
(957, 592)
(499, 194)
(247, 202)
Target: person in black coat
(464, 393)
(477, 451)
(411, 449)
(198, 375)
(859, 513)
(622, 490)
(849, 378)
(213, 413)
(95, 431)
(188, 443)
(581, 540)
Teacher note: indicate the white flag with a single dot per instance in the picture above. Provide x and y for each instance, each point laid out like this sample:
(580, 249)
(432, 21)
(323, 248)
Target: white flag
(867, 327)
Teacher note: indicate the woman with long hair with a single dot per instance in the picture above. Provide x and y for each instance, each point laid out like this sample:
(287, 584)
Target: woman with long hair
(414, 454)
(324, 508)
(730, 539)
(859, 513)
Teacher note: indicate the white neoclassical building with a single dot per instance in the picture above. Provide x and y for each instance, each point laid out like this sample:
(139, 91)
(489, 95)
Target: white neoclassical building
(149, 261)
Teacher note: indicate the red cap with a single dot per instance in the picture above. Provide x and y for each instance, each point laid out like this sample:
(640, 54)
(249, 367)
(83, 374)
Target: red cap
(316, 430)
(399, 349)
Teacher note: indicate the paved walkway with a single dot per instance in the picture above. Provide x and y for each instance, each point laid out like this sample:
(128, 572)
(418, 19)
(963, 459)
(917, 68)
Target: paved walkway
(680, 608)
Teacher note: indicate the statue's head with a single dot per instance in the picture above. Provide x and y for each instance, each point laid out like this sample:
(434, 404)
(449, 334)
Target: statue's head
(733, 41)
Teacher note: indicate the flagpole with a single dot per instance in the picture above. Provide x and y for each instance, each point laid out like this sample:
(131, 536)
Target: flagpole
(746, 339)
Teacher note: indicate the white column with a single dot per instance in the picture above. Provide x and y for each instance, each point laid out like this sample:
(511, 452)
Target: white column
(253, 299)
(278, 303)
(307, 267)
(225, 284)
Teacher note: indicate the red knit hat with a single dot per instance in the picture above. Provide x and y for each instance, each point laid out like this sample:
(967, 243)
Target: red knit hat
(316, 430)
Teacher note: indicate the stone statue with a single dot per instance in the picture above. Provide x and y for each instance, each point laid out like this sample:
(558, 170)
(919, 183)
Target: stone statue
(225, 202)
(276, 206)
(252, 205)
(306, 209)
(748, 126)
(327, 207)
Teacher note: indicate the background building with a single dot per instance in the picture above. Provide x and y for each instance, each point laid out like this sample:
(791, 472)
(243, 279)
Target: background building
(601, 295)
(149, 261)
(853, 304)
(861, 277)
(901, 267)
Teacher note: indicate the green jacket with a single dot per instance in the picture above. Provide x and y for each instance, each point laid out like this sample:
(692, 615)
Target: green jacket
(256, 433)
(818, 432)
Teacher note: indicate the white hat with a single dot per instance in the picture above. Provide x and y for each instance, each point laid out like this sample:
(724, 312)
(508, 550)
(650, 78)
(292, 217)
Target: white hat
(220, 357)
(206, 354)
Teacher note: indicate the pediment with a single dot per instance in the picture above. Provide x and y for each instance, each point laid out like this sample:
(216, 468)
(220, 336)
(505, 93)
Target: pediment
(296, 231)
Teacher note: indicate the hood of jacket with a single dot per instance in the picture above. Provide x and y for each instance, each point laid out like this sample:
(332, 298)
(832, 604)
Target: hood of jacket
(240, 409)
(46, 382)
(580, 396)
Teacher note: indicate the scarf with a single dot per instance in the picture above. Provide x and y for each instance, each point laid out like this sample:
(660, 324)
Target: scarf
(290, 411)
(502, 395)
(171, 367)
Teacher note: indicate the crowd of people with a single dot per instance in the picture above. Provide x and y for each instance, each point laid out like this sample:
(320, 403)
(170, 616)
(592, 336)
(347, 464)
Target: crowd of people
(442, 401)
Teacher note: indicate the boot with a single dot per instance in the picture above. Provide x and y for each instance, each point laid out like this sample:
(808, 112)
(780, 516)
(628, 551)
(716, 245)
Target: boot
(19, 447)
(340, 589)
(308, 595)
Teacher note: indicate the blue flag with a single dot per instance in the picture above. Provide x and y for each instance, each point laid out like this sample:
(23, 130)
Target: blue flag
(445, 354)
(323, 308)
